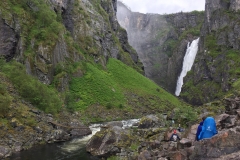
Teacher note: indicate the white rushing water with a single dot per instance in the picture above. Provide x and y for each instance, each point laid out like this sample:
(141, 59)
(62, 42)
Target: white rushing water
(187, 64)
(79, 143)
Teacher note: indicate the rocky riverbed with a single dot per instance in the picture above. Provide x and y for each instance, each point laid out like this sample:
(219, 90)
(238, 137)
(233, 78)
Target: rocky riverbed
(149, 139)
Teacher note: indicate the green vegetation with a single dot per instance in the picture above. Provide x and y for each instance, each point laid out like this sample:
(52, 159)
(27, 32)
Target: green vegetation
(40, 95)
(5, 100)
(170, 46)
(41, 23)
(195, 31)
(110, 87)
(114, 87)
(197, 12)
(211, 45)
(186, 115)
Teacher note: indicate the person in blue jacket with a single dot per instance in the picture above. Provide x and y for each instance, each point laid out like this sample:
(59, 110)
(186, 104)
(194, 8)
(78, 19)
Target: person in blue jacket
(209, 128)
(199, 129)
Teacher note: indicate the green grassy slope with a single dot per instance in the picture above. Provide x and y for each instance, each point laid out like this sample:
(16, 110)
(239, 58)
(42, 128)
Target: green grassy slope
(120, 90)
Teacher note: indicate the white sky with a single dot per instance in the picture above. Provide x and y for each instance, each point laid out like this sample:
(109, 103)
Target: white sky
(164, 6)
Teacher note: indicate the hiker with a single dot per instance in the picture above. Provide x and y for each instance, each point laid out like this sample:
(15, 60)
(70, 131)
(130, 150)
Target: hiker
(180, 129)
(199, 129)
(209, 128)
(174, 136)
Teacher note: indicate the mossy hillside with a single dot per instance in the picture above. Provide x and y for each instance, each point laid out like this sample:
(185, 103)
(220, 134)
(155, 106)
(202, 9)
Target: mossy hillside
(13, 109)
(119, 88)
(40, 95)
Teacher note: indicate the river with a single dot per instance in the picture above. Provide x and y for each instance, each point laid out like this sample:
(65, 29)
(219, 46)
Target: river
(71, 150)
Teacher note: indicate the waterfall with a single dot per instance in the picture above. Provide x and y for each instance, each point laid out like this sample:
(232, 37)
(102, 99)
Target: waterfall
(187, 64)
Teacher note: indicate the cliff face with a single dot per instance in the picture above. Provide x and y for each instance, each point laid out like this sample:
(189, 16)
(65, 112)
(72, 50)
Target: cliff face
(160, 41)
(216, 66)
(90, 27)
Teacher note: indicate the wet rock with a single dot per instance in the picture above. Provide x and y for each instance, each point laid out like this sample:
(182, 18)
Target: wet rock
(80, 132)
(114, 123)
(108, 142)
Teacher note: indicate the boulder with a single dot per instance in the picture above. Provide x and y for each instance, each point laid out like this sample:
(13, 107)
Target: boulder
(192, 133)
(148, 122)
(108, 142)
(4, 151)
(185, 143)
(114, 123)
(226, 142)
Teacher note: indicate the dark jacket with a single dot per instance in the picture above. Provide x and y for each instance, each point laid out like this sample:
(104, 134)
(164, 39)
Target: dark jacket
(199, 130)
(174, 137)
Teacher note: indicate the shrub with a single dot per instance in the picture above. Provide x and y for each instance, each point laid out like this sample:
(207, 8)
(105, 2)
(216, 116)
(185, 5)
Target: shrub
(185, 115)
(5, 101)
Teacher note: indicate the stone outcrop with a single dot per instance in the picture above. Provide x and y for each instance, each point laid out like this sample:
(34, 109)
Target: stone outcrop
(8, 40)
(160, 41)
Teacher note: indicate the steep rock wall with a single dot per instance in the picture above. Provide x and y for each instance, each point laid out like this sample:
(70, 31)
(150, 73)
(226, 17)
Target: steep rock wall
(89, 29)
(160, 41)
(216, 66)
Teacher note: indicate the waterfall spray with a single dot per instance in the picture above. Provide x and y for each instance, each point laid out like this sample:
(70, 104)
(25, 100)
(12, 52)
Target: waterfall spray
(187, 64)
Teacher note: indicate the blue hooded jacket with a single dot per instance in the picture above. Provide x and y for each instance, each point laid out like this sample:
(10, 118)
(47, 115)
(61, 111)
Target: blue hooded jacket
(199, 130)
(209, 128)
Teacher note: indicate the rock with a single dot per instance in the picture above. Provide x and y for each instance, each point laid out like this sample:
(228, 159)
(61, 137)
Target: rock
(185, 143)
(178, 155)
(192, 133)
(76, 133)
(114, 123)
(4, 151)
(145, 155)
(8, 41)
(226, 142)
(108, 142)
(219, 119)
(148, 121)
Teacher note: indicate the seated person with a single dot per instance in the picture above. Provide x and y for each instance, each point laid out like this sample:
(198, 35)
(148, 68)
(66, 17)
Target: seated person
(199, 128)
(209, 128)
(180, 129)
(174, 136)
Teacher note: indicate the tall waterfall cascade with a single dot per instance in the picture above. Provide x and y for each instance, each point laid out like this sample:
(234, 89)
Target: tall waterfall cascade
(187, 63)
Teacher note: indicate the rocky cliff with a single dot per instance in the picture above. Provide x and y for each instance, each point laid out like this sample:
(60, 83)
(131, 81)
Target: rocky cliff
(62, 34)
(161, 41)
(215, 70)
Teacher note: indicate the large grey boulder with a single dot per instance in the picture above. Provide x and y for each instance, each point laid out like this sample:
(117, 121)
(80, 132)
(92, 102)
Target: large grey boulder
(108, 142)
